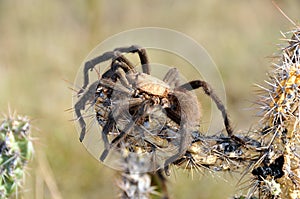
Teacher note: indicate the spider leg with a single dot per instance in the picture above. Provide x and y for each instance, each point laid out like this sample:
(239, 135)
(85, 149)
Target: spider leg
(143, 57)
(115, 65)
(119, 61)
(115, 72)
(126, 130)
(184, 142)
(107, 83)
(89, 95)
(127, 65)
(209, 91)
(106, 129)
(173, 115)
(122, 76)
(89, 65)
(172, 78)
(189, 119)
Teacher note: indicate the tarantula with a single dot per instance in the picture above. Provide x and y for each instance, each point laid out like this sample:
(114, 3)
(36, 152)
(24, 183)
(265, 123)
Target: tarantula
(126, 101)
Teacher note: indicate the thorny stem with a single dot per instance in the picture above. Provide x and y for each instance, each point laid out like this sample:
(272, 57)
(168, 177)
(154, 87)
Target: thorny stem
(15, 151)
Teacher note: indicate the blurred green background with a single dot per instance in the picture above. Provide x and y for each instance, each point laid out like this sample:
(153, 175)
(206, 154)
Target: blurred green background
(44, 42)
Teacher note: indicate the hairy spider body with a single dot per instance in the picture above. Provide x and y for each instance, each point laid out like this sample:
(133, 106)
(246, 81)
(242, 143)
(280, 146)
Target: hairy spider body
(153, 92)
(136, 109)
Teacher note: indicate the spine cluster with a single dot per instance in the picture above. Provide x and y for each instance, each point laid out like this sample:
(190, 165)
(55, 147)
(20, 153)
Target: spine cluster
(134, 182)
(281, 125)
(15, 151)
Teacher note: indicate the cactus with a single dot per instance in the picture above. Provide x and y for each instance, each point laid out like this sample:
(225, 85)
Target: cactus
(16, 150)
(280, 108)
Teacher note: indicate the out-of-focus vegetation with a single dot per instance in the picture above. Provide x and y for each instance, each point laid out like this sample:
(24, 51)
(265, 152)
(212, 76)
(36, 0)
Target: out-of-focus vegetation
(44, 42)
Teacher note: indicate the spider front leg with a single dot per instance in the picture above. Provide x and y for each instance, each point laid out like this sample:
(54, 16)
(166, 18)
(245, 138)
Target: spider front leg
(120, 62)
(106, 129)
(172, 78)
(86, 97)
(142, 55)
(209, 91)
(115, 55)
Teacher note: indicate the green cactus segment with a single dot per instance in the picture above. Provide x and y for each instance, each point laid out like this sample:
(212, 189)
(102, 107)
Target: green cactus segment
(15, 151)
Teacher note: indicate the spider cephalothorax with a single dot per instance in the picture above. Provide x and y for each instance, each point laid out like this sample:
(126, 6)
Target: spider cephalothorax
(142, 112)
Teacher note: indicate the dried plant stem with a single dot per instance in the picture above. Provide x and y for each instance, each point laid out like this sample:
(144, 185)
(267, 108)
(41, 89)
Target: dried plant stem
(47, 176)
(134, 181)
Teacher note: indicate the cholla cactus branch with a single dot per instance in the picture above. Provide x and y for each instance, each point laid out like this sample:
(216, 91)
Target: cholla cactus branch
(220, 153)
(15, 151)
(277, 173)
